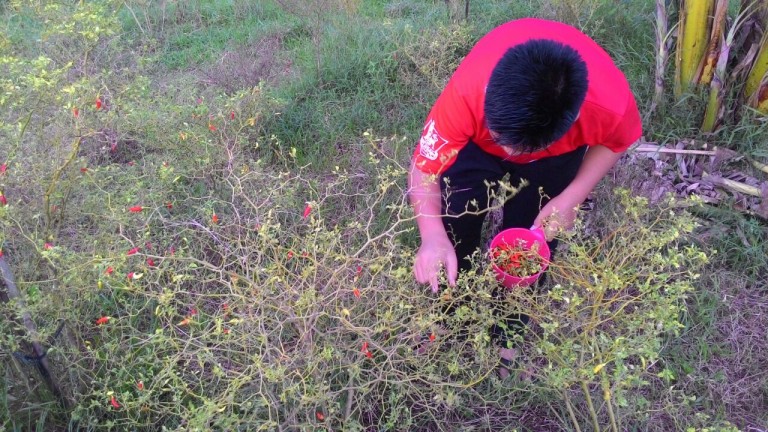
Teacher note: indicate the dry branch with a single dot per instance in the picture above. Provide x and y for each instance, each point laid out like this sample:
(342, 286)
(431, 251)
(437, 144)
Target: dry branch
(685, 172)
(655, 148)
(761, 166)
(13, 294)
(732, 185)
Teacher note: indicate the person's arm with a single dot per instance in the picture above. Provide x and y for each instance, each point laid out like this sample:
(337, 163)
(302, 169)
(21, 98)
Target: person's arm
(436, 249)
(560, 211)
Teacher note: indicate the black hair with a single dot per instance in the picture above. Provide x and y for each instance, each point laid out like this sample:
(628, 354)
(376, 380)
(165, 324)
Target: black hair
(534, 94)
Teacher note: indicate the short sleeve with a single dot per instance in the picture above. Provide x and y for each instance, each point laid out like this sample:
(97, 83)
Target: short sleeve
(447, 130)
(628, 130)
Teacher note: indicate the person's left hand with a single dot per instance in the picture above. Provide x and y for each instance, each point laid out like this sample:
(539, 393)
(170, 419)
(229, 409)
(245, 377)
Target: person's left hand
(559, 213)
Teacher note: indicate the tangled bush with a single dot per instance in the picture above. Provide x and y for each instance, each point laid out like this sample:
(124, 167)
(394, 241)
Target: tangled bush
(283, 300)
(615, 298)
(184, 273)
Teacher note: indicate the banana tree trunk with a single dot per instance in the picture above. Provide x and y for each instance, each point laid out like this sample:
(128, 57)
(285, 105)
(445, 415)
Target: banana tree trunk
(693, 35)
(714, 111)
(756, 87)
(707, 67)
(713, 67)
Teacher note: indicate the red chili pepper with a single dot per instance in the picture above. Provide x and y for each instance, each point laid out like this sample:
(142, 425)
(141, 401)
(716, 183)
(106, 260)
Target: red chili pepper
(192, 312)
(109, 271)
(114, 402)
(48, 246)
(232, 115)
(211, 127)
(365, 346)
(133, 251)
(3, 200)
(150, 262)
(83, 170)
(169, 205)
(289, 255)
(307, 210)
(514, 260)
(185, 321)
(3, 168)
(432, 337)
(215, 218)
(130, 276)
(103, 320)
(76, 112)
(136, 209)
(140, 385)
(98, 103)
(369, 354)
(358, 270)
(320, 416)
(356, 292)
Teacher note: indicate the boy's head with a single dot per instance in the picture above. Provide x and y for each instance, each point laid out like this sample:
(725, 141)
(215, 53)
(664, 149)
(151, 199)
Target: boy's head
(534, 94)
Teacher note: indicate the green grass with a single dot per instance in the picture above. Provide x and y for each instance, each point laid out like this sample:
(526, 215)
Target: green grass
(741, 242)
(350, 76)
(22, 30)
(194, 33)
(359, 90)
(361, 75)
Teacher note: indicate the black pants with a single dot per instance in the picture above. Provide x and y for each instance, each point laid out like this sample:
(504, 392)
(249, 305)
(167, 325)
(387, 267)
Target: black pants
(465, 189)
(465, 192)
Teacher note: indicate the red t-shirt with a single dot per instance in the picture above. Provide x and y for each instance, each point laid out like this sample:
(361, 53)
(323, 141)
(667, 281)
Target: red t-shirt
(609, 116)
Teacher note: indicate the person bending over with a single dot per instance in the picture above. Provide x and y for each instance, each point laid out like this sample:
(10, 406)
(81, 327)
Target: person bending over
(536, 99)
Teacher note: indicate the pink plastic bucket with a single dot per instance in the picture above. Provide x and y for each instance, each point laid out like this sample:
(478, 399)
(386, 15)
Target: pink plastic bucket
(512, 237)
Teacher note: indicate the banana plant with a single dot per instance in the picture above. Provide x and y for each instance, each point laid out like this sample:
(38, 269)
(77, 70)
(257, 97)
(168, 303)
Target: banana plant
(756, 87)
(717, 53)
(694, 28)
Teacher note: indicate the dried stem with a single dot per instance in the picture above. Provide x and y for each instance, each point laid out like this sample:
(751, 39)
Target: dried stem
(590, 406)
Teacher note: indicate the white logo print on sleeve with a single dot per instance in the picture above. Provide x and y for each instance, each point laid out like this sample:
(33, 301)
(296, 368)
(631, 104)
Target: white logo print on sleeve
(431, 142)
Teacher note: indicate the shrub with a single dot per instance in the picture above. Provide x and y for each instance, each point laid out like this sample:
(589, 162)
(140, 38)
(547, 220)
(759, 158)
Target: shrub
(283, 301)
(205, 280)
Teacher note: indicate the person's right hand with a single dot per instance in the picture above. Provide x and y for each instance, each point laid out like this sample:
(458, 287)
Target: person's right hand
(433, 255)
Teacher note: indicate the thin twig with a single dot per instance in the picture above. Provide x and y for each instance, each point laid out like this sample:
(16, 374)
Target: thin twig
(591, 406)
(52, 186)
(607, 399)
(350, 398)
(572, 414)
